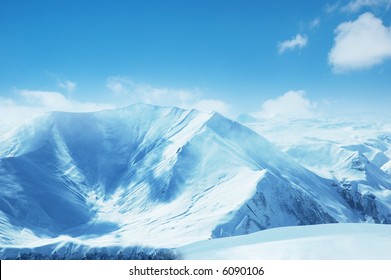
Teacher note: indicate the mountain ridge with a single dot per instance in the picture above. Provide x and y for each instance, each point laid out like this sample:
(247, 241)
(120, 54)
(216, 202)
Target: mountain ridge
(157, 176)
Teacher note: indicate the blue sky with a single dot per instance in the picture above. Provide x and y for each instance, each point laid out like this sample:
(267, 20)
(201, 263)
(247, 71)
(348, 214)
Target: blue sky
(230, 56)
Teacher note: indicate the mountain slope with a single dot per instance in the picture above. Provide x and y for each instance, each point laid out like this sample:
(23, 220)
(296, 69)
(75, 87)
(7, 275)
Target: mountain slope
(316, 242)
(153, 176)
(353, 153)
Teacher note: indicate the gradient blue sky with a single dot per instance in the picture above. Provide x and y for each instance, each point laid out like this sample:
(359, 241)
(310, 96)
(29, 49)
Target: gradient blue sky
(225, 54)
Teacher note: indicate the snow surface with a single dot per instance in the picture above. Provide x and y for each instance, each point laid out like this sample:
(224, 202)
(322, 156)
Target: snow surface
(316, 242)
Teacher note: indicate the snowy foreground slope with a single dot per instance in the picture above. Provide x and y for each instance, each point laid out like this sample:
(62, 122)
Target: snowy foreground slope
(162, 177)
(317, 242)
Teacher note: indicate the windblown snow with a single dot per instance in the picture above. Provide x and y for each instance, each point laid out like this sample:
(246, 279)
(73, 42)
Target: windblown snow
(166, 177)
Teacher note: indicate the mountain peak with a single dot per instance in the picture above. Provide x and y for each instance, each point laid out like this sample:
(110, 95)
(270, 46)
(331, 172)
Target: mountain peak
(158, 176)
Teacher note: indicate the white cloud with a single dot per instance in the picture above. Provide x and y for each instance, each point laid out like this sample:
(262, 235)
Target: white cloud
(55, 101)
(144, 93)
(298, 42)
(315, 23)
(212, 105)
(67, 85)
(291, 104)
(356, 5)
(360, 44)
(118, 85)
(330, 8)
(28, 103)
(6, 102)
(134, 92)
(46, 99)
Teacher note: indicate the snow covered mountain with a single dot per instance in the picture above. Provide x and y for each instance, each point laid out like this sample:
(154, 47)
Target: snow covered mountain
(354, 152)
(162, 177)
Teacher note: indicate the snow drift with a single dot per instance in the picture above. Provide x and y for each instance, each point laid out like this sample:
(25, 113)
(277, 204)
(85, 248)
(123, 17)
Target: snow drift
(315, 242)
